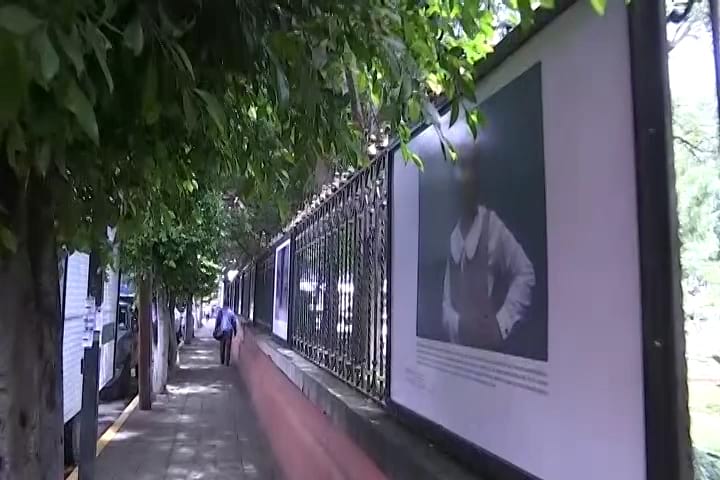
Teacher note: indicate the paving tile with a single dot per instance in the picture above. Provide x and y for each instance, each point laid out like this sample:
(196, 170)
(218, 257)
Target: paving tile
(204, 428)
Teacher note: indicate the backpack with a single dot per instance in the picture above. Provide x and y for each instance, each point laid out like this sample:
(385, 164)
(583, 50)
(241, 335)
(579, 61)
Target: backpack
(218, 331)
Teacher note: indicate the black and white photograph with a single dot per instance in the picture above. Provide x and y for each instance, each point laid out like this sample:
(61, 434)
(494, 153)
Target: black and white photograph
(482, 270)
(282, 290)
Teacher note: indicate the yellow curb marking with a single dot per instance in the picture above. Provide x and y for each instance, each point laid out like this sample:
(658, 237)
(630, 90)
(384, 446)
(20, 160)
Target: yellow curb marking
(110, 433)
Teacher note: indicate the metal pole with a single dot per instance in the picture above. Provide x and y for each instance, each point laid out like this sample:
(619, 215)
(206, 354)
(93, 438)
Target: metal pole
(117, 319)
(89, 410)
(715, 23)
(189, 321)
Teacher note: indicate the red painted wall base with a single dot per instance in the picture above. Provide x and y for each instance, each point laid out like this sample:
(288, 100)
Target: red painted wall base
(304, 441)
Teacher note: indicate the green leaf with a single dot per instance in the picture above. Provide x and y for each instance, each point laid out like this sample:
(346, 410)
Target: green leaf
(42, 158)
(468, 88)
(109, 12)
(474, 119)
(49, 60)
(13, 80)
(418, 161)
(413, 109)
(470, 13)
(59, 159)
(319, 55)
(8, 239)
(185, 60)
(18, 20)
(526, 12)
(150, 107)
(189, 185)
(15, 143)
(16, 138)
(133, 36)
(214, 109)
(447, 147)
(167, 23)
(431, 113)
(283, 89)
(100, 45)
(77, 103)
(454, 112)
(405, 151)
(189, 110)
(72, 48)
(599, 6)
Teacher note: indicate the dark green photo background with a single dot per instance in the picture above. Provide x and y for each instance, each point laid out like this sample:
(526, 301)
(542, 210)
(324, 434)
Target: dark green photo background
(513, 186)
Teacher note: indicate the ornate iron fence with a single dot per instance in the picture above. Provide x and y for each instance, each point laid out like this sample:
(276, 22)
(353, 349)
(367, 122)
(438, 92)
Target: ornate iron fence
(264, 281)
(339, 316)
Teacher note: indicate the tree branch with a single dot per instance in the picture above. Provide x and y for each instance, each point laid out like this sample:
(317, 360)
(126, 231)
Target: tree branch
(693, 148)
(681, 32)
(355, 100)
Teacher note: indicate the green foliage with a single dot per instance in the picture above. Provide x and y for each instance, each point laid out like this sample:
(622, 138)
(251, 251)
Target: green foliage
(707, 466)
(17, 20)
(130, 108)
(599, 5)
(133, 36)
(180, 246)
(698, 189)
(76, 101)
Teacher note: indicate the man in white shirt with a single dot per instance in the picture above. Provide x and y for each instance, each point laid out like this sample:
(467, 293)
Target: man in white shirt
(489, 280)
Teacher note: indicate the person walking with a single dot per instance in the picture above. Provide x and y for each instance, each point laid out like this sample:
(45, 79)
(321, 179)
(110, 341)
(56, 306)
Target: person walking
(225, 330)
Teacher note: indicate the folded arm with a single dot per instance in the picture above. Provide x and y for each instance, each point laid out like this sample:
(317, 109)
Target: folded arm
(450, 317)
(518, 267)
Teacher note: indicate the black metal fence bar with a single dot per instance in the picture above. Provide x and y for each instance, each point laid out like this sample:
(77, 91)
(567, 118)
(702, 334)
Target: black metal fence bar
(339, 311)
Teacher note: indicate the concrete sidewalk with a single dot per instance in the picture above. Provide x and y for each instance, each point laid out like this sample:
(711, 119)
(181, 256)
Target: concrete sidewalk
(204, 428)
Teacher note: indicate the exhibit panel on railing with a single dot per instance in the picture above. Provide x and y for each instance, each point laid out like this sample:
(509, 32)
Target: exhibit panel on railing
(263, 288)
(515, 296)
(281, 290)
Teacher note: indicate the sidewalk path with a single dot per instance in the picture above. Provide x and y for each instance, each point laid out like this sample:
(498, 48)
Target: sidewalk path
(205, 428)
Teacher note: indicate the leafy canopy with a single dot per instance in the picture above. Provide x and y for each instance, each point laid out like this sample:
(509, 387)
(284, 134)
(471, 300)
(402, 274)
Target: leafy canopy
(180, 247)
(126, 109)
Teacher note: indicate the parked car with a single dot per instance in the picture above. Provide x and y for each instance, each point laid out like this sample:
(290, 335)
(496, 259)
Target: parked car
(125, 353)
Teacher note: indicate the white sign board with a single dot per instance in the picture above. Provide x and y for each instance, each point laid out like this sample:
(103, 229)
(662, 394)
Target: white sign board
(90, 322)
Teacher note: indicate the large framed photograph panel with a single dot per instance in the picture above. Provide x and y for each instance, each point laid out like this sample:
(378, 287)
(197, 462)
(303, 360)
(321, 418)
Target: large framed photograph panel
(516, 314)
(281, 290)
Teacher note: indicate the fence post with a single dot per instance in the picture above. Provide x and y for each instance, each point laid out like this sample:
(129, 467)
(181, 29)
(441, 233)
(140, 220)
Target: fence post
(389, 160)
(291, 289)
(89, 409)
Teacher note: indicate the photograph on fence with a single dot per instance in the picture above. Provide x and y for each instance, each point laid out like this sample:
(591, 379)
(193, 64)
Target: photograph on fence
(282, 290)
(516, 325)
(482, 270)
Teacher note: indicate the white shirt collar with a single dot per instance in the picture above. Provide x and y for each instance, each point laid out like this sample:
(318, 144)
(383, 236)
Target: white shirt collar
(469, 244)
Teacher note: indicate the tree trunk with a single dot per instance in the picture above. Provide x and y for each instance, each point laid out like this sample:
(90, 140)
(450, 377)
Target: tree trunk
(144, 341)
(172, 337)
(31, 423)
(189, 322)
(161, 347)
